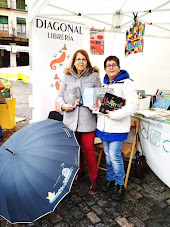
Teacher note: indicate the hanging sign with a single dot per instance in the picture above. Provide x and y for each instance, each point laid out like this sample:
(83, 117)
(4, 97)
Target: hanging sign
(134, 38)
(96, 41)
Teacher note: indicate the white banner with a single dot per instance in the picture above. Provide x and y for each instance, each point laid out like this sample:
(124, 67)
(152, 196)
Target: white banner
(53, 43)
(155, 142)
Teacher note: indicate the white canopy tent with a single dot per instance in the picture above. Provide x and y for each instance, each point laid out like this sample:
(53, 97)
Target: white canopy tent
(150, 70)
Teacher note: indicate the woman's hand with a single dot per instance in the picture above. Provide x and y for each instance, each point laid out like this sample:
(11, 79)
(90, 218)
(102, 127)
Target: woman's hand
(68, 107)
(108, 113)
(90, 107)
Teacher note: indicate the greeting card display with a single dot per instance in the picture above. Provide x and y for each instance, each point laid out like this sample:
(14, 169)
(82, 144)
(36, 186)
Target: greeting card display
(98, 96)
(87, 96)
(73, 96)
(111, 103)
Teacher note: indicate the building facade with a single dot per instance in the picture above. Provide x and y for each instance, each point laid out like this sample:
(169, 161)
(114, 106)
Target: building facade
(14, 33)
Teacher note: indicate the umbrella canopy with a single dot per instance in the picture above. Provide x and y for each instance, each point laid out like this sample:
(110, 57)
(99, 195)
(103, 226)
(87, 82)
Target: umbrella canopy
(37, 167)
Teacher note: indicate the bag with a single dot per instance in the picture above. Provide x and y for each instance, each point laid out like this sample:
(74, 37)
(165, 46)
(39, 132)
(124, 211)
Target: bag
(140, 162)
(1, 85)
(55, 116)
(140, 165)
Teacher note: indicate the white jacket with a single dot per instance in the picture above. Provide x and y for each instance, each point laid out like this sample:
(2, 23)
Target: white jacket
(119, 121)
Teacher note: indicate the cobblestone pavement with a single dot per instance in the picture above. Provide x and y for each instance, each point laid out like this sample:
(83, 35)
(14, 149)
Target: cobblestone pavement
(146, 203)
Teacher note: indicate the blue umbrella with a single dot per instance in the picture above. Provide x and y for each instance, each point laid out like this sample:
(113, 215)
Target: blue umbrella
(37, 167)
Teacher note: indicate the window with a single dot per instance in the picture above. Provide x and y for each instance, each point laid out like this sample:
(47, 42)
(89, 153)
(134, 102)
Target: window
(20, 4)
(3, 3)
(3, 23)
(21, 26)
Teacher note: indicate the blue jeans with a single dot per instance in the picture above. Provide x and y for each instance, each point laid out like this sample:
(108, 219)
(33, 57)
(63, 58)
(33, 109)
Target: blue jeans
(114, 161)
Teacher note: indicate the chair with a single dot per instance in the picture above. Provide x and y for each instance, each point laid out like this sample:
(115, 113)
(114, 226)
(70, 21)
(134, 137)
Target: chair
(127, 148)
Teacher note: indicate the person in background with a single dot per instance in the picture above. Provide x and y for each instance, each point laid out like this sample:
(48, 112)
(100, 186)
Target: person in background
(79, 118)
(113, 127)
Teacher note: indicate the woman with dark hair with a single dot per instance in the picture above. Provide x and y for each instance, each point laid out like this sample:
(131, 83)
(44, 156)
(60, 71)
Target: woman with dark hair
(79, 118)
(114, 126)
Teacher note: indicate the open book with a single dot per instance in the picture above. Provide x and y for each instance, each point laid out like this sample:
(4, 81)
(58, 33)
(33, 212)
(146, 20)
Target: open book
(149, 113)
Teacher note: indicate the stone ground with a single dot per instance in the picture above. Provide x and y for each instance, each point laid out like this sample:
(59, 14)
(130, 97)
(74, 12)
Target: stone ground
(146, 203)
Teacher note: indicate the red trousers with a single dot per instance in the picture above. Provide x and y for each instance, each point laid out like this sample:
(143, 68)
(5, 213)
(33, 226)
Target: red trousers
(87, 151)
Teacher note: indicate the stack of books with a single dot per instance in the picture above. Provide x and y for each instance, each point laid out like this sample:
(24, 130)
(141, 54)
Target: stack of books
(97, 99)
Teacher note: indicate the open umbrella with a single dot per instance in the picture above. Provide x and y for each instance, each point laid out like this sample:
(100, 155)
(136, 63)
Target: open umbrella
(37, 167)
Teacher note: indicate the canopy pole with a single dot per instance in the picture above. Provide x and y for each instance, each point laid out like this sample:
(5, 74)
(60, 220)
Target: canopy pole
(147, 13)
(151, 24)
(79, 14)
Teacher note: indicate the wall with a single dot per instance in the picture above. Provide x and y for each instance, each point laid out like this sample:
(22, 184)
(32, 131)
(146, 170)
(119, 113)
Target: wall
(149, 70)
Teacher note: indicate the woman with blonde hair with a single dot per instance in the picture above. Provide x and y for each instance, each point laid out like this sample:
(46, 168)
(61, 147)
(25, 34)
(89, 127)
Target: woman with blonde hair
(79, 118)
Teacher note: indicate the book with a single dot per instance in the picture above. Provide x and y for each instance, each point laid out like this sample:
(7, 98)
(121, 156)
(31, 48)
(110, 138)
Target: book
(87, 96)
(141, 94)
(98, 97)
(73, 96)
(2, 100)
(162, 92)
(151, 112)
(111, 102)
(162, 103)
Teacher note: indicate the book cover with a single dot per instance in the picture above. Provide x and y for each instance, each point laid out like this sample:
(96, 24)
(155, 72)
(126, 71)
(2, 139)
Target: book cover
(111, 103)
(141, 94)
(98, 96)
(73, 96)
(162, 103)
(87, 96)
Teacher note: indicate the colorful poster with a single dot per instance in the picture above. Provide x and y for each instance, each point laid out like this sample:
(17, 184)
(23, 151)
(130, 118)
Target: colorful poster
(52, 44)
(134, 38)
(96, 41)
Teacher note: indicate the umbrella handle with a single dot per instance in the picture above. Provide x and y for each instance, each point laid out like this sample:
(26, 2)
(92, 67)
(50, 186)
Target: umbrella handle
(67, 132)
(10, 151)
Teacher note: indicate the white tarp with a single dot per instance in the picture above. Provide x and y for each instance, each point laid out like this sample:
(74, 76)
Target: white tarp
(102, 13)
(15, 73)
(53, 44)
(155, 140)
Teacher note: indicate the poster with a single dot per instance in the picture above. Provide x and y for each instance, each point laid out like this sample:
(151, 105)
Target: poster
(134, 38)
(96, 41)
(53, 42)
